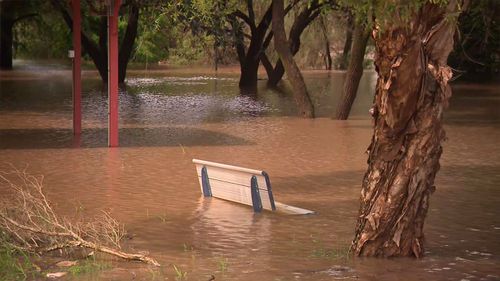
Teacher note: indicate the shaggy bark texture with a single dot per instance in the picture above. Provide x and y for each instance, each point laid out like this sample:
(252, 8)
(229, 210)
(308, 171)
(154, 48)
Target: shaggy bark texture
(412, 92)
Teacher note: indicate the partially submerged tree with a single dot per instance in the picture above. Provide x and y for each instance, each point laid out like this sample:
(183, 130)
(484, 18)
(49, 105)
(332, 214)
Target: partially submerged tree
(310, 12)
(354, 71)
(98, 51)
(413, 41)
(11, 12)
(299, 89)
(477, 49)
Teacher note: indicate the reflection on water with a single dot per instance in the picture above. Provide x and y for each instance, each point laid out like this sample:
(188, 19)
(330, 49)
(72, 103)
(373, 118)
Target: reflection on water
(150, 184)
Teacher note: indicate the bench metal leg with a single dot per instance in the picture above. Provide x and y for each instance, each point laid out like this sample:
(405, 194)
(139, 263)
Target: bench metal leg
(207, 191)
(256, 201)
(269, 190)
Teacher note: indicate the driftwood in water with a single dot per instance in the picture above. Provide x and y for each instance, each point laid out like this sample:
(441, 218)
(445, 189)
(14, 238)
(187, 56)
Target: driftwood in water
(30, 223)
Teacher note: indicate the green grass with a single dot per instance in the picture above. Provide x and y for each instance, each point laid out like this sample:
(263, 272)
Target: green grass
(222, 264)
(179, 273)
(321, 251)
(15, 264)
(89, 266)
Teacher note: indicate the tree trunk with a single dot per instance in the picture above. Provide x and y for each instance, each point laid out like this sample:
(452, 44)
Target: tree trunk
(354, 72)
(6, 41)
(348, 42)
(128, 41)
(250, 63)
(98, 52)
(412, 92)
(249, 72)
(281, 45)
(299, 25)
(328, 56)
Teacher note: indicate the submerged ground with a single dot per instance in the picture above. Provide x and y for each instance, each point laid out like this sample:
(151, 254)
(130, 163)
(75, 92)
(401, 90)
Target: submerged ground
(168, 118)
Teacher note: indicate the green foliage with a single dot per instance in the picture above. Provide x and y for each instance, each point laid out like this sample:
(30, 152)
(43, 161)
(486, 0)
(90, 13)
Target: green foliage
(155, 36)
(15, 264)
(477, 50)
(386, 11)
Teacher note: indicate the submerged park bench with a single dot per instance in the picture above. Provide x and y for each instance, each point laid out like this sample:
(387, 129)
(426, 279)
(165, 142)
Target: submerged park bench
(241, 185)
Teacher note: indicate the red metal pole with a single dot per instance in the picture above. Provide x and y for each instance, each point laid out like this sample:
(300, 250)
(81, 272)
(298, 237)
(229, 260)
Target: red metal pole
(113, 73)
(77, 69)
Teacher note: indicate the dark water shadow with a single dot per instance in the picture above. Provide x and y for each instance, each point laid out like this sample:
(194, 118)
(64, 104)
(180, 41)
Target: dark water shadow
(129, 137)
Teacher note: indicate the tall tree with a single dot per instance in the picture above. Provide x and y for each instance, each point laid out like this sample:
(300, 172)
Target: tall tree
(348, 40)
(281, 45)
(302, 20)
(11, 12)
(354, 71)
(412, 41)
(250, 57)
(98, 50)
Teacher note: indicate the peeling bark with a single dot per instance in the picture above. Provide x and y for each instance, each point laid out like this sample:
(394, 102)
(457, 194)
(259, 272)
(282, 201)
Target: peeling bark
(412, 92)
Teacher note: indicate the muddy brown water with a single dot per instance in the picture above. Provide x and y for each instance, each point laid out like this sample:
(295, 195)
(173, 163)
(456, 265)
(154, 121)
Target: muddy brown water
(150, 184)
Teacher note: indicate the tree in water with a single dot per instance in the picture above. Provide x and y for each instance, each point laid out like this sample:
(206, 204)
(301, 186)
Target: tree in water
(98, 52)
(307, 15)
(281, 45)
(412, 44)
(354, 71)
(477, 50)
(11, 12)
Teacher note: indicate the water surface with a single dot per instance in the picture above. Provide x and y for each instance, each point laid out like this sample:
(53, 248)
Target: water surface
(150, 184)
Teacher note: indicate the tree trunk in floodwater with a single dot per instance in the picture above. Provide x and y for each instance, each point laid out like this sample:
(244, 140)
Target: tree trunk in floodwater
(412, 92)
(301, 22)
(328, 56)
(348, 42)
(98, 52)
(249, 62)
(6, 40)
(354, 72)
(281, 45)
(127, 45)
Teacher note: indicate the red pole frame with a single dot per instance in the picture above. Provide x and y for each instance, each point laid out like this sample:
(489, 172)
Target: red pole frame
(77, 69)
(113, 13)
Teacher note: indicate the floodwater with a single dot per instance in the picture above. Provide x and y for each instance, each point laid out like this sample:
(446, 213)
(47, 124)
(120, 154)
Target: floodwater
(150, 184)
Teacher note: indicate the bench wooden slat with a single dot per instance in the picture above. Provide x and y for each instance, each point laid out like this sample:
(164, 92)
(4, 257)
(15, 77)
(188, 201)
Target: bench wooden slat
(237, 177)
(232, 192)
(227, 167)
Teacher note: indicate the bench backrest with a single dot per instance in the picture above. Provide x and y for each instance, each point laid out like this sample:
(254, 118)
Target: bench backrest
(237, 184)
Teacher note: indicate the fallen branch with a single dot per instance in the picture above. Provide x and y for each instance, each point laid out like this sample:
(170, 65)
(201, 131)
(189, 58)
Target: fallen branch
(29, 222)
